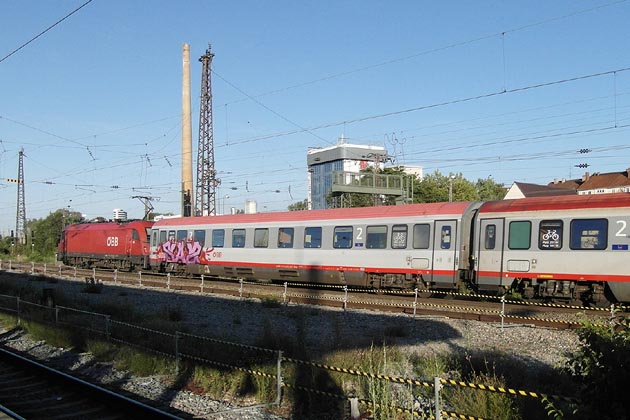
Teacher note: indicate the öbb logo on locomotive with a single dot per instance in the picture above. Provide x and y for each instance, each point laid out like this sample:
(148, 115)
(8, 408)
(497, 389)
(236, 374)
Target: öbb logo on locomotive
(565, 248)
(112, 241)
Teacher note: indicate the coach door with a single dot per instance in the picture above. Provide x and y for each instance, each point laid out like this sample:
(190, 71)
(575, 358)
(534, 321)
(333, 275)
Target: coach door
(490, 256)
(444, 248)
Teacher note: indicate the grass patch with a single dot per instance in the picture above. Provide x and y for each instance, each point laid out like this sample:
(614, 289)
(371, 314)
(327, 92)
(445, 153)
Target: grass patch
(142, 364)
(8, 321)
(52, 335)
(483, 404)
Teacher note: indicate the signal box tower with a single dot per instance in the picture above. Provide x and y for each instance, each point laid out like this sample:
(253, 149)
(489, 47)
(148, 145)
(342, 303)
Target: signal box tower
(207, 181)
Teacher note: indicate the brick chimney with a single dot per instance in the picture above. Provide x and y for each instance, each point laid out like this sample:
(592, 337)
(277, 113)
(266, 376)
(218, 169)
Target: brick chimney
(586, 176)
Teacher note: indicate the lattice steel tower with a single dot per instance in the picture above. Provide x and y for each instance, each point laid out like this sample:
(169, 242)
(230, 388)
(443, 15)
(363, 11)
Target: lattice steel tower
(20, 220)
(207, 181)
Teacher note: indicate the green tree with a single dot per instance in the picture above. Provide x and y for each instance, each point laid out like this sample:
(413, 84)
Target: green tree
(300, 205)
(489, 190)
(436, 188)
(46, 232)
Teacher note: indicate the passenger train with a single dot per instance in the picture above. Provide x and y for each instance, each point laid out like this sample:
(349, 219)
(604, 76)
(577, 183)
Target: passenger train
(570, 248)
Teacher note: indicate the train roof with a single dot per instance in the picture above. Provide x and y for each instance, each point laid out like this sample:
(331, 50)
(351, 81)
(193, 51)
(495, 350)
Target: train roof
(564, 202)
(426, 209)
(134, 224)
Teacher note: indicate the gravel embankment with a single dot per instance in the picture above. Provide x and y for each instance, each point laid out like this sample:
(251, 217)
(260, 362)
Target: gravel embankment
(323, 330)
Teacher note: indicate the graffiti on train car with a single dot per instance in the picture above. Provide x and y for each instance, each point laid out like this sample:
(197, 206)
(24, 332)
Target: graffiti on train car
(185, 252)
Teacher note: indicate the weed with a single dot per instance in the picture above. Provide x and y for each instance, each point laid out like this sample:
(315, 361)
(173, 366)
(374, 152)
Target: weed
(102, 350)
(481, 403)
(92, 286)
(58, 337)
(142, 364)
(270, 302)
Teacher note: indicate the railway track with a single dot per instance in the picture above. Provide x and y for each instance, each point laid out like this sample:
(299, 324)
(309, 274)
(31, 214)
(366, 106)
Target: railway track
(30, 390)
(451, 305)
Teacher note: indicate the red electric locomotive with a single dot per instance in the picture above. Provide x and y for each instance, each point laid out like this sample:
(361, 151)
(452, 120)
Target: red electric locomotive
(123, 246)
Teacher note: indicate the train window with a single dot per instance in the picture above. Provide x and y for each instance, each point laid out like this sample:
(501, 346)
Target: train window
(200, 237)
(261, 238)
(135, 236)
(342, 237)
(238, 238)
(182, 235)
(445, 237)
(520, 235)
(218, 238)
(171, 235)
(162, 236)
(550, 234)
(376, 237)
(285, 238)
(421, 236)
(313, 237)
(490, 239)
(147, 231)
(589, 234)
(399, 236)
(154, 237)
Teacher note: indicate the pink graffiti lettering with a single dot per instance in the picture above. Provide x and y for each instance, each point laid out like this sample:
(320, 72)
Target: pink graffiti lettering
(185, 252)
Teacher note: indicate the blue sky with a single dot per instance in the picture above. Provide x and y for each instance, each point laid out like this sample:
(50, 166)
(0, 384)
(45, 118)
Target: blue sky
(96, 101)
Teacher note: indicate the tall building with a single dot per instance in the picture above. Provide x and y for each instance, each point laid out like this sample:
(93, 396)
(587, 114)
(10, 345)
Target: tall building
(322, 162)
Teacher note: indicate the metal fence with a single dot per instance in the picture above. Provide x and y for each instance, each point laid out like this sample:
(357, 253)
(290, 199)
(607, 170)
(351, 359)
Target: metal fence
(263, 363)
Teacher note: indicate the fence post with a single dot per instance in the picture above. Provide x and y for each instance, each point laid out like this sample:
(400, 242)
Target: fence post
(32, 267)
(107, 326)
(415, 302)
(75, 272)
(168, 281)
(202, 283)
(240, 289)
(44, 268)
(502, 310)
(612, 314)
(0, 264)
(17, 304)
(9, 265)
(94, 274)
(59, 270)
(115, 275)
(345, 297)
(438, 405)
(56, 315)
(140, 277)
(177, 336)
(284, 294)
(279, 379)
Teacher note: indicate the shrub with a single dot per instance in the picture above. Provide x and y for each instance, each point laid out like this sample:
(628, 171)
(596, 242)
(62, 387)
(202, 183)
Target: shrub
(601, 367)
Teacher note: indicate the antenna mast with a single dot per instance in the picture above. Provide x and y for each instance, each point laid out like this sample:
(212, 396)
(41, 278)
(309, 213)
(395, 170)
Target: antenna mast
(20, 221)
(207, 181)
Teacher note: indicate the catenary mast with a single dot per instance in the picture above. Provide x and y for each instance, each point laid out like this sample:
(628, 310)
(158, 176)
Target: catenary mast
(20, 222)
(207, 181)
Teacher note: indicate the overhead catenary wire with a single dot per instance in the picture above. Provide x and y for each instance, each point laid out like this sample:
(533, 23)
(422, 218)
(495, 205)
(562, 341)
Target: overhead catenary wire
(433, 50)
(45, 30)
(433, 105)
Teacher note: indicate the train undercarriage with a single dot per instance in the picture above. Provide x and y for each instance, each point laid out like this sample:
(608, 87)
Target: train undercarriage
(566, 291)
